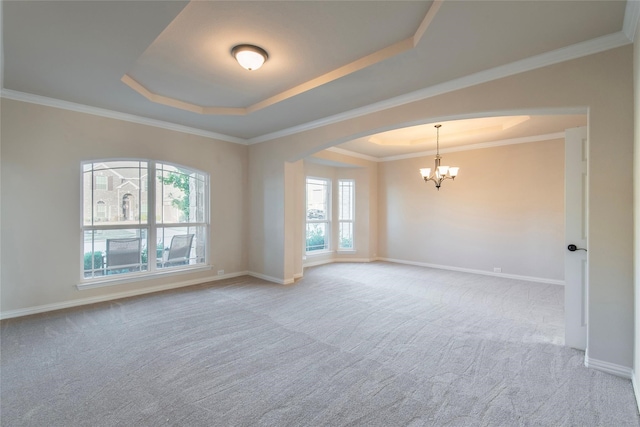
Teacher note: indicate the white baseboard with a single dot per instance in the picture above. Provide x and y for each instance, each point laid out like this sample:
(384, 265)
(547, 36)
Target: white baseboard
(103, 298)
(636, 391)
(609, 368)
(482, 272)
(319, 262)
(271, 279)
(332, 260)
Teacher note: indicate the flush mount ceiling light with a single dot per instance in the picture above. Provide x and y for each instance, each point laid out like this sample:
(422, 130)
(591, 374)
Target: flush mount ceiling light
(440, 172)
(249, 56)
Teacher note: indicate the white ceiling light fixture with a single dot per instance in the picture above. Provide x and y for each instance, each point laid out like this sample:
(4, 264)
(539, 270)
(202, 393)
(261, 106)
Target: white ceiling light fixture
(249, 57)
(440, 173)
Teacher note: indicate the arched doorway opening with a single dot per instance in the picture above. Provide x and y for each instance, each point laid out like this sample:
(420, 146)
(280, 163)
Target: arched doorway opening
(524, 248)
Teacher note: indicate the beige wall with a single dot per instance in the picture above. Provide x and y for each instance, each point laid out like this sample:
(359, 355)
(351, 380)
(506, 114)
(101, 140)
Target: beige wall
(600, 83)
(505, 209)
(294, 221)
(267, 232)
(636, 180)
(42, 150)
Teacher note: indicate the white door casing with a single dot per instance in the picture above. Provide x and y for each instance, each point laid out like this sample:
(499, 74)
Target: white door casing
(576, 233)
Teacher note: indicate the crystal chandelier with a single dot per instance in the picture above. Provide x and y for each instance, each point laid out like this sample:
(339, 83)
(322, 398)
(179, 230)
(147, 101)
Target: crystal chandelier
(440, 173)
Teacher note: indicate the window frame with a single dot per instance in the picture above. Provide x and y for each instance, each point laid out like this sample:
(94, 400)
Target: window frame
(327, 217)
(150, 226)
(352, 220)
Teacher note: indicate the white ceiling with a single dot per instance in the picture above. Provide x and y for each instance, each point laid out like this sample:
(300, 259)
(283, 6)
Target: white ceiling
(170, 61)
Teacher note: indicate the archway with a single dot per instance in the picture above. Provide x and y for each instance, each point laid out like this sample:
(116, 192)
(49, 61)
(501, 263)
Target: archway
(530, 243)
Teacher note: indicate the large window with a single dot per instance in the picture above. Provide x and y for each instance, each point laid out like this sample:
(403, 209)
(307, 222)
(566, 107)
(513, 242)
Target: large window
(346, 190)
(122, 236)
(318, 214)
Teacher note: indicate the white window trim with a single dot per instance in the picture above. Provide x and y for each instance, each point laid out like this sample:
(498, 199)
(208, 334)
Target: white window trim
(151, 228)
(353, 216)
(320, 252)
(327, 220)
(138, 277)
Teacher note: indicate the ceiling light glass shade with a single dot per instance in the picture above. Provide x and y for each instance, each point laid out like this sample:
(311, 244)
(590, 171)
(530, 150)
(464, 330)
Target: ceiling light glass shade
(425, 172)
(249, 57)
(453, 171)
(442, 170)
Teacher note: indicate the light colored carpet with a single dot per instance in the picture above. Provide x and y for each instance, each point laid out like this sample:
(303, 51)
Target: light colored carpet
(375, 344)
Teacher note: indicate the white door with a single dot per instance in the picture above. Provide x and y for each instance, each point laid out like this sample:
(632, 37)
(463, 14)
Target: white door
(576, 192)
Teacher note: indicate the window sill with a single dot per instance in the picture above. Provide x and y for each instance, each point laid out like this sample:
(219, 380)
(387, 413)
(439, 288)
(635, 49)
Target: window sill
(99, 283)
(347, 251)
(318, 253)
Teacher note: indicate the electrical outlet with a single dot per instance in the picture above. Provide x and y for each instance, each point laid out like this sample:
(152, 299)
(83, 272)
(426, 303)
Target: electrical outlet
(497, 270)
(220, 272)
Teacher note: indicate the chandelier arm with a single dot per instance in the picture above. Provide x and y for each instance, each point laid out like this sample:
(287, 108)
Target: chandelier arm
(437, 182)
(442, 178)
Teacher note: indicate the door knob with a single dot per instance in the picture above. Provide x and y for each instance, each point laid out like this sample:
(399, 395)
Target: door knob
(574, 248)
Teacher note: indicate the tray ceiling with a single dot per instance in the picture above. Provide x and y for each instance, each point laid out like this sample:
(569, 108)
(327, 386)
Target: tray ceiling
(326, 59)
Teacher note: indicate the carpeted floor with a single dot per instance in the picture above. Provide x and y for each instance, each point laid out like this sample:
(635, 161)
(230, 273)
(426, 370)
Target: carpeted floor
(375, 344)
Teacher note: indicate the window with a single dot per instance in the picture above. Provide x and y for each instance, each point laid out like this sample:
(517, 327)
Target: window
(121, 236)
(181, 214)
(346, 211)
(318, 214)
(102, 182)
(101, 211)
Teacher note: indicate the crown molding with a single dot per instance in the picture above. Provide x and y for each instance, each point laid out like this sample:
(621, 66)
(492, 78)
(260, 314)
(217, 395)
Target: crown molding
(557, 56)
(631, 19)
(182, 105)
(490, 144)
(353, 154)
(101, 112)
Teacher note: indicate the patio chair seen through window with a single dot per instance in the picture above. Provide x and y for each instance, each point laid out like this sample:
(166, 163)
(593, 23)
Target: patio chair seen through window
(123, 254)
